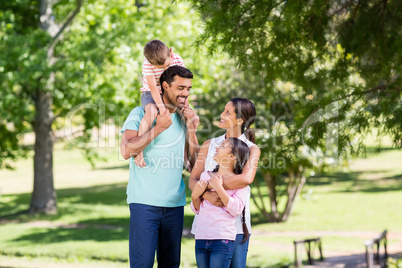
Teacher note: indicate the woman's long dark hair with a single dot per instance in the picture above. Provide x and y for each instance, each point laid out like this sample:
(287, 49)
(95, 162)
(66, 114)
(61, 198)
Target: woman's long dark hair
(242, 153)
(245, 110)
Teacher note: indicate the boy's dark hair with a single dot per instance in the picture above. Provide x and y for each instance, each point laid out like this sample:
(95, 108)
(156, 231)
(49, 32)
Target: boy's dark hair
(156, 52)
(169, 74)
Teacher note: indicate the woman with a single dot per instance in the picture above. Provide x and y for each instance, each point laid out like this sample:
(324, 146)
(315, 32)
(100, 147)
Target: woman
(236, 119)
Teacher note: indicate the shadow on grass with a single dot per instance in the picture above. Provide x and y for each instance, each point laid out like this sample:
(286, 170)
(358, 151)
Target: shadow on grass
(15, 205)
(110, 194)
(328, 179)
(107, 222)
(356, 184)
(73, 200)
(372, 150)
(54, 235)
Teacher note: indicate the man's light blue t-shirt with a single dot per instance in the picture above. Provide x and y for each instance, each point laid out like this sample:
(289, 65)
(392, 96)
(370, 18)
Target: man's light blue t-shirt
(160, 183)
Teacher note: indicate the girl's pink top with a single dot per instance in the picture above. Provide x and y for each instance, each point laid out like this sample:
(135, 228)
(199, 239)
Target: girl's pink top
(216, 222)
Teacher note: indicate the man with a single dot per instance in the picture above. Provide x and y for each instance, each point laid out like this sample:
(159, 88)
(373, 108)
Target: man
(156, 192)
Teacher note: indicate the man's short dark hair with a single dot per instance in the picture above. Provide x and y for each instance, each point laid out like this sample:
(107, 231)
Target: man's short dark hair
(169, 74)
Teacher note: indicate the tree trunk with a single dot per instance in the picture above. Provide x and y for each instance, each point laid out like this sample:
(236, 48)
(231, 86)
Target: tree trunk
(261, 207)
(43, 195)
(270, 181)
(293, 192)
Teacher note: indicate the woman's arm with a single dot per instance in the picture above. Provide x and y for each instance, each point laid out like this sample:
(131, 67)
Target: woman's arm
(237, 201)
(211, 197)
(198, 167)
(247, 176)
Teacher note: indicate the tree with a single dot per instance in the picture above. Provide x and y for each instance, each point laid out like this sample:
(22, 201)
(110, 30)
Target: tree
(79, 61)
(321, 73)
(17, 24)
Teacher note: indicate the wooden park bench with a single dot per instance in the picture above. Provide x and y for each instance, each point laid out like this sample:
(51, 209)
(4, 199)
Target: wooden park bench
(372, 256)
(309, 249)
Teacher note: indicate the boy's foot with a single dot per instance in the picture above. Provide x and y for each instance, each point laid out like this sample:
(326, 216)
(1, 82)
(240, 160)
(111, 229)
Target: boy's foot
(139, 160)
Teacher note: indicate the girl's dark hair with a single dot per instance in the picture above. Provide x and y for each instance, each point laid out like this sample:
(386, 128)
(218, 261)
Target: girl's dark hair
(245, 110)
(244, 225)
(242, 153)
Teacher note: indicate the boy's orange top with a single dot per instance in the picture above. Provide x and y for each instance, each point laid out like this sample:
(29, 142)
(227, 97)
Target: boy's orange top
(149, 69)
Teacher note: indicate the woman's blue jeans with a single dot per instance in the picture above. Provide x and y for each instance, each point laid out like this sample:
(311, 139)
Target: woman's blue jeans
(240, 250)
(213, 253)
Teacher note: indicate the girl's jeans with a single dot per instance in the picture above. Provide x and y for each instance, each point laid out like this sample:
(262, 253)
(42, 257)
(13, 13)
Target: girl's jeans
(213, 253)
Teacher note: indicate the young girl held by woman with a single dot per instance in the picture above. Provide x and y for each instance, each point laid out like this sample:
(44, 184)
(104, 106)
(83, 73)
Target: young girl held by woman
(215, 231)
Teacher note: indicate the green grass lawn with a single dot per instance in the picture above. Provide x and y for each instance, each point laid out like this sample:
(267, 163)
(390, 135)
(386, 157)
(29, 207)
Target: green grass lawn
(91, 228)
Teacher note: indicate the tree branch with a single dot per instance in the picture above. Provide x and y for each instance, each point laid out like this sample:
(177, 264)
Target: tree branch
(68, 21)
(377, 88)
(344, 6)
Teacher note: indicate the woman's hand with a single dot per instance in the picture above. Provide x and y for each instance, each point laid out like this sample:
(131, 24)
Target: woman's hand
(216, 182)
(199, 189)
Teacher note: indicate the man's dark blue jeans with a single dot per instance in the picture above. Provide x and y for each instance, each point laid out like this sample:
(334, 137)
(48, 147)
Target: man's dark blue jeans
(155, 229)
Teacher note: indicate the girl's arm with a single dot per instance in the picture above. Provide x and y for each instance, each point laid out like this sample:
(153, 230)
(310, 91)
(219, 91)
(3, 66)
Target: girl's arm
(216, 183)
(155, 93)
(247, 176)
(234, 204)
(196, 195)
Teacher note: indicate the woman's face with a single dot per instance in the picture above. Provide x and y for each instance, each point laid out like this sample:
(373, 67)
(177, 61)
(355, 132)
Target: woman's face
(228, 117)
(223, 152)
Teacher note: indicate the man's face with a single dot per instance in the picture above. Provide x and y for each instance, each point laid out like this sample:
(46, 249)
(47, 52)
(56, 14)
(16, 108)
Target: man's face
(177, 93)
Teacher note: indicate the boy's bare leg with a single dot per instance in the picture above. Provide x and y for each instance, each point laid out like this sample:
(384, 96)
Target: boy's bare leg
(151, 111)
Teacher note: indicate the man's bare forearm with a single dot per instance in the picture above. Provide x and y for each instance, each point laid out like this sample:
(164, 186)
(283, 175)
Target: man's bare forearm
(133, 146)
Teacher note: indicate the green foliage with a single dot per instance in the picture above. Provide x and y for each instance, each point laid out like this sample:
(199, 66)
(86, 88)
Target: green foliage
(89, 76)
(320, 73)
(98, 62)
(394, 263)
